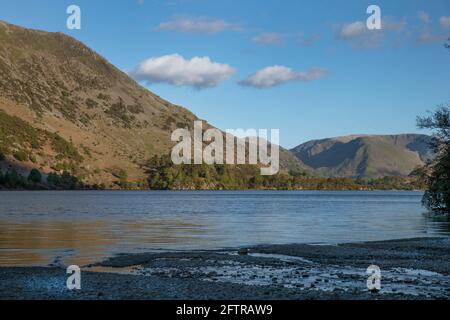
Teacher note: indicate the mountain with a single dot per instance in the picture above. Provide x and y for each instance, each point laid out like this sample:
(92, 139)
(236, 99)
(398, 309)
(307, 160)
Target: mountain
(366, 156)
(64, 107)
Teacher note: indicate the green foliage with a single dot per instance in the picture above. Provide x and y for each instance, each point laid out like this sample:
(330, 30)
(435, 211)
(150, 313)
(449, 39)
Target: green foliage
(14, 132)
(35, 176)
(163, 174)
(65, 149)
(12, 180)
(122, 175)
(136, 108)
(32, 158)
(68, 108)
(104, 97)
(21, 155)
(437, 196)
(65, 181)
(119, 112)
(63, 166)
(91, 104)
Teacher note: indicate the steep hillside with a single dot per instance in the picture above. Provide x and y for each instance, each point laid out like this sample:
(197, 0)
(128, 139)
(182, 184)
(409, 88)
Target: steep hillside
(368, 156)
(64, 107)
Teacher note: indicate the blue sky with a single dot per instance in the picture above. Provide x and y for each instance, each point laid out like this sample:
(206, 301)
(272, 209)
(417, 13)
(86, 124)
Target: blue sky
(331, 77)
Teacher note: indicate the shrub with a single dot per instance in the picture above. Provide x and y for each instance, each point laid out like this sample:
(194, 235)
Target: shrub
(12, 179)
(63, 181)
(65, 149)
(104, 97)
(35, 176)
(91, 104)
(136, 109)
(119, 111)
(437, 197)
(21, 155)
(122, 175)
(14, 131)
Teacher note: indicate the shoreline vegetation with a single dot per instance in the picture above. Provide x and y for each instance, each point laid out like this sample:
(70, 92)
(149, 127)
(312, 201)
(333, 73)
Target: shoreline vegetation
(164, 175)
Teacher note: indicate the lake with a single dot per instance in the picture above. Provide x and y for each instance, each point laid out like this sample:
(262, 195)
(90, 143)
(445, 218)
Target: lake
(82, 227)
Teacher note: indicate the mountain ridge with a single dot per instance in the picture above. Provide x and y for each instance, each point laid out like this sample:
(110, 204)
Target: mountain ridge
(87, 116)
(366, 156)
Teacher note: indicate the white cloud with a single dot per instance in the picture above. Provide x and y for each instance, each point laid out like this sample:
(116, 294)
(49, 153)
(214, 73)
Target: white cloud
(276, 38)
(360, 36)
(198, 72)
(198, 25)
(426, 33)
(391, 24)
(269, 38)
(357, 34)
(276, 75)
(445, 22)
(353, 30)
(305, 40)
(427, 36)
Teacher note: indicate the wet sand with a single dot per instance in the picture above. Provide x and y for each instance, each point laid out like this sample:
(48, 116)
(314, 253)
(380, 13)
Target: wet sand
(410, 269)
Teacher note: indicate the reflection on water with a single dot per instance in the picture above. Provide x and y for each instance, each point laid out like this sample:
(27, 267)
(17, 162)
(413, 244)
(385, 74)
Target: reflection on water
(441, 224)
(86, 226)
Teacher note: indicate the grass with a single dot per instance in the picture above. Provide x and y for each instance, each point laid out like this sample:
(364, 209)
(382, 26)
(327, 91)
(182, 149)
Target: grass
(119, 112)
(19, 138)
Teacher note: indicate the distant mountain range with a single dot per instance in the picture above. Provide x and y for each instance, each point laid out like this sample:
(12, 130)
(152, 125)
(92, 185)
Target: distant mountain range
(366, 156)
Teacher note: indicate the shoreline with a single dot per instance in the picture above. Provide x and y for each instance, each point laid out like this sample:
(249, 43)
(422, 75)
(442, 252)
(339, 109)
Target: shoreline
(415, 268)
(212, 190)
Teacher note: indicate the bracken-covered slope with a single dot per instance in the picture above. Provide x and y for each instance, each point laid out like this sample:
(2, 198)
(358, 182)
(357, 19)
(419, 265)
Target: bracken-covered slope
(366, 156)
(63, 106)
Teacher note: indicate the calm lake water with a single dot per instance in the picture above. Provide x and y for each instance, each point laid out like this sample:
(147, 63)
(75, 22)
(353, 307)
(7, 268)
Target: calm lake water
(85, 226)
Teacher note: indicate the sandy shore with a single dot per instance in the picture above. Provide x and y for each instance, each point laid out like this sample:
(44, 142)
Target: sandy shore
(410, 269)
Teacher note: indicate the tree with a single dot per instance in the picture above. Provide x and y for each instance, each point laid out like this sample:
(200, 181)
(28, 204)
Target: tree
(65, 181)
(13, 180)
(437, 197)
(35, 176)
(122, 175)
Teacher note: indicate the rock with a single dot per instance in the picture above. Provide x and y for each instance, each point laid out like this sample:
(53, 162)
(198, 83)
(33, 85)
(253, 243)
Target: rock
(243, 251)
